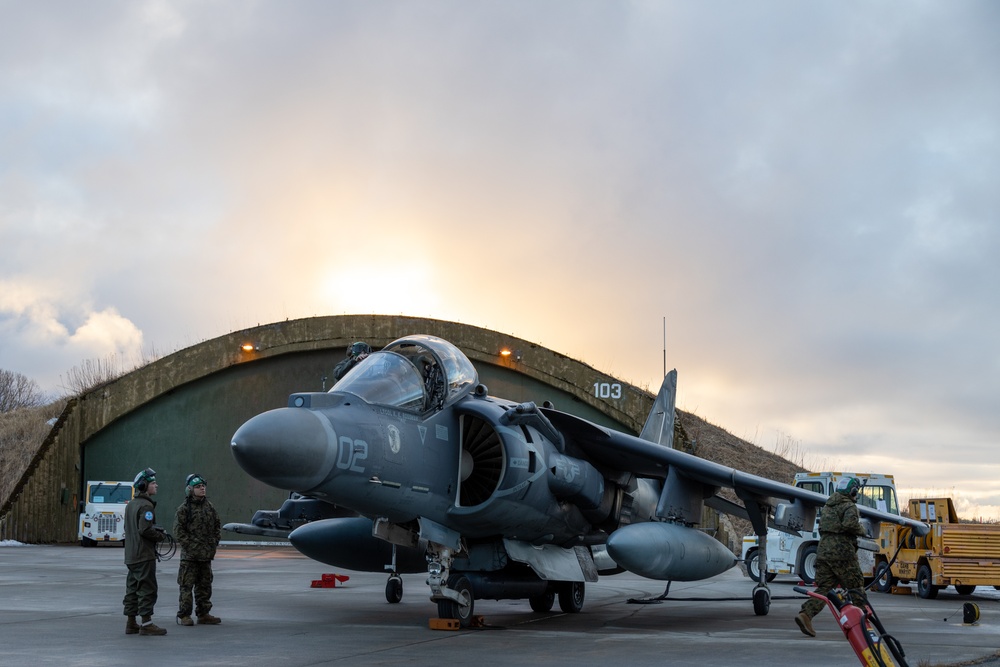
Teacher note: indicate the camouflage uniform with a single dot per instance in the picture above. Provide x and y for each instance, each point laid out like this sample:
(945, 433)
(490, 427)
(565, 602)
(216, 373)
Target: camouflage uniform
(356, 353)
(197, 530)
(836, 558)
(140, 556)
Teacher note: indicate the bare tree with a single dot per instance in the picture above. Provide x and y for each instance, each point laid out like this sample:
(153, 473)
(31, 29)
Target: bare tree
(18, 391)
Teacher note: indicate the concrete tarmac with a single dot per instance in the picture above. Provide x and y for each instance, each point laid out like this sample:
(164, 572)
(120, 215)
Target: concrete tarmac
(61, 605)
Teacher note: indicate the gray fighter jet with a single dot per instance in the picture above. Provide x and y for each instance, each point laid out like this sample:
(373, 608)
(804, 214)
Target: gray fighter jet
(408, 465)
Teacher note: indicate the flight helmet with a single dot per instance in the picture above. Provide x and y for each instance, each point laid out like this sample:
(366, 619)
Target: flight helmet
(357, 349)
(849, 486)
(143, 479)
(193, 480)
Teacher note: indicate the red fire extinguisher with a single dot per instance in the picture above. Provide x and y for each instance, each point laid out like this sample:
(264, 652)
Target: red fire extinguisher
(863, 629)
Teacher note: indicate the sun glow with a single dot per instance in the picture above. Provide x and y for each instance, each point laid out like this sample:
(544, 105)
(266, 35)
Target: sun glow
(403, 288)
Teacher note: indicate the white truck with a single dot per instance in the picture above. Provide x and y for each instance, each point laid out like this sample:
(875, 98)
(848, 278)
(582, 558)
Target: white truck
(102, 514)
(796, 554)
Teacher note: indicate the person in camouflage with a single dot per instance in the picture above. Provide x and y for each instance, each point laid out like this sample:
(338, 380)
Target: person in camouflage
(141, 537)
(836, 557)
(356, 353)
(197, 530)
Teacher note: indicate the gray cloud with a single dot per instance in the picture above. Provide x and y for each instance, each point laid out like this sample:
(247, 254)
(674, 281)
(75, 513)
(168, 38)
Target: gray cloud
(806, 192)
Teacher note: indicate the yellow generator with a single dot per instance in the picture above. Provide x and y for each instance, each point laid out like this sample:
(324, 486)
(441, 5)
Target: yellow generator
(963, 555)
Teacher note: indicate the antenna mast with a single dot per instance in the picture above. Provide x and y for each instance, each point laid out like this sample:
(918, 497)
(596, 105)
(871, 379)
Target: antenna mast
(664, 346)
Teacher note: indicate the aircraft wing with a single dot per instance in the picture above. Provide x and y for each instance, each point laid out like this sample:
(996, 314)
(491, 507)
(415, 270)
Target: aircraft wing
(620, 451)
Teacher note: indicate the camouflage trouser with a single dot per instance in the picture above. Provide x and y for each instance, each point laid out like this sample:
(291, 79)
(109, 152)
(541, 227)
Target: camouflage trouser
(195, 576)
(831, 574)
(140, 589)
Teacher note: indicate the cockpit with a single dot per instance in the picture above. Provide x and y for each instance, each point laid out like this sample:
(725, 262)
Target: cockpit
(416, 373)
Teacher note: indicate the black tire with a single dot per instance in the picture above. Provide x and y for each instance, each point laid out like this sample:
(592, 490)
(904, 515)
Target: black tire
(924, 587)
(751, 563)
(394, 589)
(462, 612)
(542, 603)
(965, 589)
(571, 597)
(87, 542)
(807, 565)
(884, 581)
(761, 601)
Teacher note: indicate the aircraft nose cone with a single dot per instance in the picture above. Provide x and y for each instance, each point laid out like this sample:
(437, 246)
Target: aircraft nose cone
(289, 448)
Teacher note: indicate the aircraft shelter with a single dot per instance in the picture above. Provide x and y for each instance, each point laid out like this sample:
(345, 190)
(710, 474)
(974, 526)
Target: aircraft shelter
(177, 414)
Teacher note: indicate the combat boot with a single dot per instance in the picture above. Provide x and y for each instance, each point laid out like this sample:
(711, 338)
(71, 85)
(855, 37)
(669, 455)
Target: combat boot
(150, 628)
(184, 620)
(805, 624)
(208, 619)
(131, 627)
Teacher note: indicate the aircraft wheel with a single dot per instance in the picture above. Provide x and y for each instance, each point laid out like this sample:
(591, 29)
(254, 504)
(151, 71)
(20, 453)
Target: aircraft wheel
(542, 603)
(966, 589)
(884, 581)
(394, 589)
(753, 569)
(461, 611)
(761, 601)
(924, 587)
(571, 597)
(807, 565)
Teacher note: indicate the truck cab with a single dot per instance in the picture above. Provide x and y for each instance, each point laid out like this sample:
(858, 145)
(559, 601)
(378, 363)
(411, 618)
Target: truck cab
(795, 554)
(102, 514)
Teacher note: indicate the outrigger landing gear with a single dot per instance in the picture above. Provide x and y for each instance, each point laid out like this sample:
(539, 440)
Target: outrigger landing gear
(761, 599)
(393, 587)
(761, 593)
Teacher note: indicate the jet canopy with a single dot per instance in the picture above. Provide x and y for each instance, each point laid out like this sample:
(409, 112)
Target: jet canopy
(416, 373)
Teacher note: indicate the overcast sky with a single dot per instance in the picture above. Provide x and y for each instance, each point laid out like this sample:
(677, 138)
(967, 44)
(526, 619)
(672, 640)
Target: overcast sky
(807, 192)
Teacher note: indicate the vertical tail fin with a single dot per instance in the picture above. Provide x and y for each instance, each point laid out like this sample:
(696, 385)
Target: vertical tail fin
(659, 427)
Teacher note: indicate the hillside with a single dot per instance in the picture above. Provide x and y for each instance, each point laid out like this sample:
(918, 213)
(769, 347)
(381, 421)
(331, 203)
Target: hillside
(22, 433)
(714, 443)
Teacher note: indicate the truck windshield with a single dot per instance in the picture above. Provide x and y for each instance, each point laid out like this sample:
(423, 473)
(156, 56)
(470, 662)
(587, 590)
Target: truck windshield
(117, 494)
(881, 498)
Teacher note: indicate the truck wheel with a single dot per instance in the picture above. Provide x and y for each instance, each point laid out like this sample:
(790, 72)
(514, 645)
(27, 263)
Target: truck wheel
(752, 563)
(807, 565)
(965, 589)
(87, 542)
(884, 581)
(925, 589)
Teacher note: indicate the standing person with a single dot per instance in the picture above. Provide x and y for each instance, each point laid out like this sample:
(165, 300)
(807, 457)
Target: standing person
(141, 537)
(355, 354)
(836, 557)
(197, 530)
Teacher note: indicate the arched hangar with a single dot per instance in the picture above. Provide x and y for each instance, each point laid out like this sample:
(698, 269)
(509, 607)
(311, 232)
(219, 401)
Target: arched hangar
(177, 414)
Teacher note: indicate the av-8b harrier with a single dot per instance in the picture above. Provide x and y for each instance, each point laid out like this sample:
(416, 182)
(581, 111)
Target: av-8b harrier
(408, 464)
